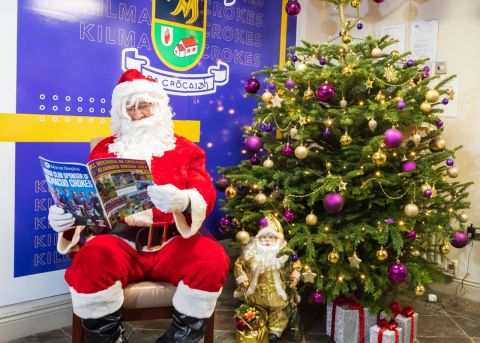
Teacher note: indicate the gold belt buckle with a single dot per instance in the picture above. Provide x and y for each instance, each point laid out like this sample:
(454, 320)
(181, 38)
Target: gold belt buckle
(151, 230)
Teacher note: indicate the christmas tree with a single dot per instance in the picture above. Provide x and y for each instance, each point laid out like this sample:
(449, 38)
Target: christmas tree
(346, 149)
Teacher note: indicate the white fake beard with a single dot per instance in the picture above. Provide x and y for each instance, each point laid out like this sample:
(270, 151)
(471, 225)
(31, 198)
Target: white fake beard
(264, 258)
(144, 138)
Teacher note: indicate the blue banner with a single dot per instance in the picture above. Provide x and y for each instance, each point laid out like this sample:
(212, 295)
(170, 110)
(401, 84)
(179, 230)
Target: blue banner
(71, 54)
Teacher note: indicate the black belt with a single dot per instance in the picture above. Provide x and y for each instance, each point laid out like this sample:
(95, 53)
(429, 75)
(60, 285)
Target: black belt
(152, 237)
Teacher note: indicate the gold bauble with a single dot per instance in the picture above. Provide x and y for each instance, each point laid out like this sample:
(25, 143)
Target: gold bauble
(346, 38)
(376, 52)
(268, 163)
(372, 124)
(432, 95)
(343, 103)
(419, 290)
(355, 3)
(415, 253)
(347, 71)
(445, 248)
(345, 139)
(243, 237)
(308, 94)
(463, 217)
(440, 144)
(333, 257)
(426, 107)
(301, 152)
(311, 219)
(395, 53)
(230, 192)
(379, 158)
(452, 172)
(381, 254)
(260, 198)
(293, 133)
(267, 97)
(411, 210)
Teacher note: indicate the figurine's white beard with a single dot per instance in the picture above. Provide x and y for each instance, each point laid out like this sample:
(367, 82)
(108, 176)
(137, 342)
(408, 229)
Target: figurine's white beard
(264, 258)
(144, 138)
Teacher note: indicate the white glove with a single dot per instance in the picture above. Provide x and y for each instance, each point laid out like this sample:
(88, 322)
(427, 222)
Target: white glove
(168, 198)
(60, 220)
(144, 218)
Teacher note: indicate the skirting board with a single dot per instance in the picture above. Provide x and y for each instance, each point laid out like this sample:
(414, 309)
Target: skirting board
(29, 318)
(471, 289)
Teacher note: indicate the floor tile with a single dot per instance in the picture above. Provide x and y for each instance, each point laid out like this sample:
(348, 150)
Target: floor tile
(438, 326)
(471, 327)
(54, 336)
(444, 340)
(317, 338)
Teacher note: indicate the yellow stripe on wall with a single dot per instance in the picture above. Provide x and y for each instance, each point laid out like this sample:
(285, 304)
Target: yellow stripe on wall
(283, 36)
(61, 128)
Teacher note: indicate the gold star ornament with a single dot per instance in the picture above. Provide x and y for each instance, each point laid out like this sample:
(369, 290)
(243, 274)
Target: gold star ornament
(309, 276)
(277, 101)
(354, 261)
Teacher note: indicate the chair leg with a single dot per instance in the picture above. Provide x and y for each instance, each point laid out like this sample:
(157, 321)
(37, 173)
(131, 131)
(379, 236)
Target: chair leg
(210, 329)
(76, 329)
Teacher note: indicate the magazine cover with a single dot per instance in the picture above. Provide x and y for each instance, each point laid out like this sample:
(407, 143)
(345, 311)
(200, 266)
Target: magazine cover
(101, 192)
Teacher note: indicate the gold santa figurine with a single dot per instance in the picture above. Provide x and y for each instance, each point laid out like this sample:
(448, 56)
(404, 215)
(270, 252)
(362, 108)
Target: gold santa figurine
(260, 275)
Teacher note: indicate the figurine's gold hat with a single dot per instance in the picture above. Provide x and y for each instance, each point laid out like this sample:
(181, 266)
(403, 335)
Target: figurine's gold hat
(274, 227)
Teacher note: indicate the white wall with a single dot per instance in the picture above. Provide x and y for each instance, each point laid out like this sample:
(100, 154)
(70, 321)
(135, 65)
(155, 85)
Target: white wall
(459, 27)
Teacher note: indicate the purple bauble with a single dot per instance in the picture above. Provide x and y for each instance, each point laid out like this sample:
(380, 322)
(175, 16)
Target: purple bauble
(450, 162)
(289, 84)
(445, 101)
(378, 1)
(393, 138)
(410, 63)
(439, 123)
(294, 58)
(322, 61)
(426, 69)
(239, 187)
(401, 105)
(263, 222)
(327, 132)
(409, 166)
(252, 86)
(397, 273)
(317, 297)
(325, 92)
(271, 85)
(253, 143)
(293, 7)
(460, 239)
(427, 192)
(266, 127)
(287, 150)
(359, 26)
(224, 221)
(234, 223)
(389, 221)
(254, 160)
(412, 234)
(294, 258)
(425, 76)
(288, 215)
(333, 203)
(222, 183)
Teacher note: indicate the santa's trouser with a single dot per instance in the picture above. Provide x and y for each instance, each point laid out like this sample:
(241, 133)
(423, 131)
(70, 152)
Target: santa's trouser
(198, 266)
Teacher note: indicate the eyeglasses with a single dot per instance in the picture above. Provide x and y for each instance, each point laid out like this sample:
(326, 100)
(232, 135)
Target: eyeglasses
(144, 107)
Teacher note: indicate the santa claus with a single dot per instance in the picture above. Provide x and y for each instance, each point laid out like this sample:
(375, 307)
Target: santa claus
(183, 196)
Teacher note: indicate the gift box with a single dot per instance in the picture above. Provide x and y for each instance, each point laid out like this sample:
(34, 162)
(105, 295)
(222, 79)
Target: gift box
(407, 320)
(386, 332)
(251, 324)
(349, 322)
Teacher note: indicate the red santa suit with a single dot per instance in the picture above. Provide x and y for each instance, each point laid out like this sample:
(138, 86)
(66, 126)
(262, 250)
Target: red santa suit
(196, 264)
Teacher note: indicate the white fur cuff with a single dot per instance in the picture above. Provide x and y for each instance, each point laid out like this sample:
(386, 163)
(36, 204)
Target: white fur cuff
(198, 211)
(99, 304)
(241, 278)
(65, 246)
(194, 302)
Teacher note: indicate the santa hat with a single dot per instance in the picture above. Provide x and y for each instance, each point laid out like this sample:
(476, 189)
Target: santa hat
(274, 227)
(133, 82)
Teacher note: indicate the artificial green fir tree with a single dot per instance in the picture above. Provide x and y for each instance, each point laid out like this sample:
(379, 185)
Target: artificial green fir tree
(346, 149)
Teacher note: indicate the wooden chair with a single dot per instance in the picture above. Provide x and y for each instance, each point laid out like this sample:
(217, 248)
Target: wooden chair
(145, 300)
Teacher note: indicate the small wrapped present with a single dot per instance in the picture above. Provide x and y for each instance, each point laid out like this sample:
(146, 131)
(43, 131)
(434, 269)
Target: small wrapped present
(386, 332)
(407, 320)
(349, 322)
(251, 324)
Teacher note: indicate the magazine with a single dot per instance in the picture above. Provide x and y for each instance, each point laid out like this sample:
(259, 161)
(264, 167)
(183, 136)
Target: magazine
(100, 193)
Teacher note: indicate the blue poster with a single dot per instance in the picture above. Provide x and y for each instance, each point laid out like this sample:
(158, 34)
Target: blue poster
(72, 53)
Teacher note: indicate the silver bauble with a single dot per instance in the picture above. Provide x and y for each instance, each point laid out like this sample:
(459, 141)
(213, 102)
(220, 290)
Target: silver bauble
(343, 103)
(243, 237)
(463, 217)
(376, 52)
(260, 198)
(268, 163)
(301, 67)
(372, 124)
(452, 172)
(411, 210)
(301, 152)
(293, 133)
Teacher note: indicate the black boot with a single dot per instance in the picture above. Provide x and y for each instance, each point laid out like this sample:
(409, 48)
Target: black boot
(272, 338)
(184, 329)
(104, 330)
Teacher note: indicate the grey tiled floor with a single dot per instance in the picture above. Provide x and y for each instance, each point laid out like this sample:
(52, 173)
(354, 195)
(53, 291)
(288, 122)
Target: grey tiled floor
(451, 320)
